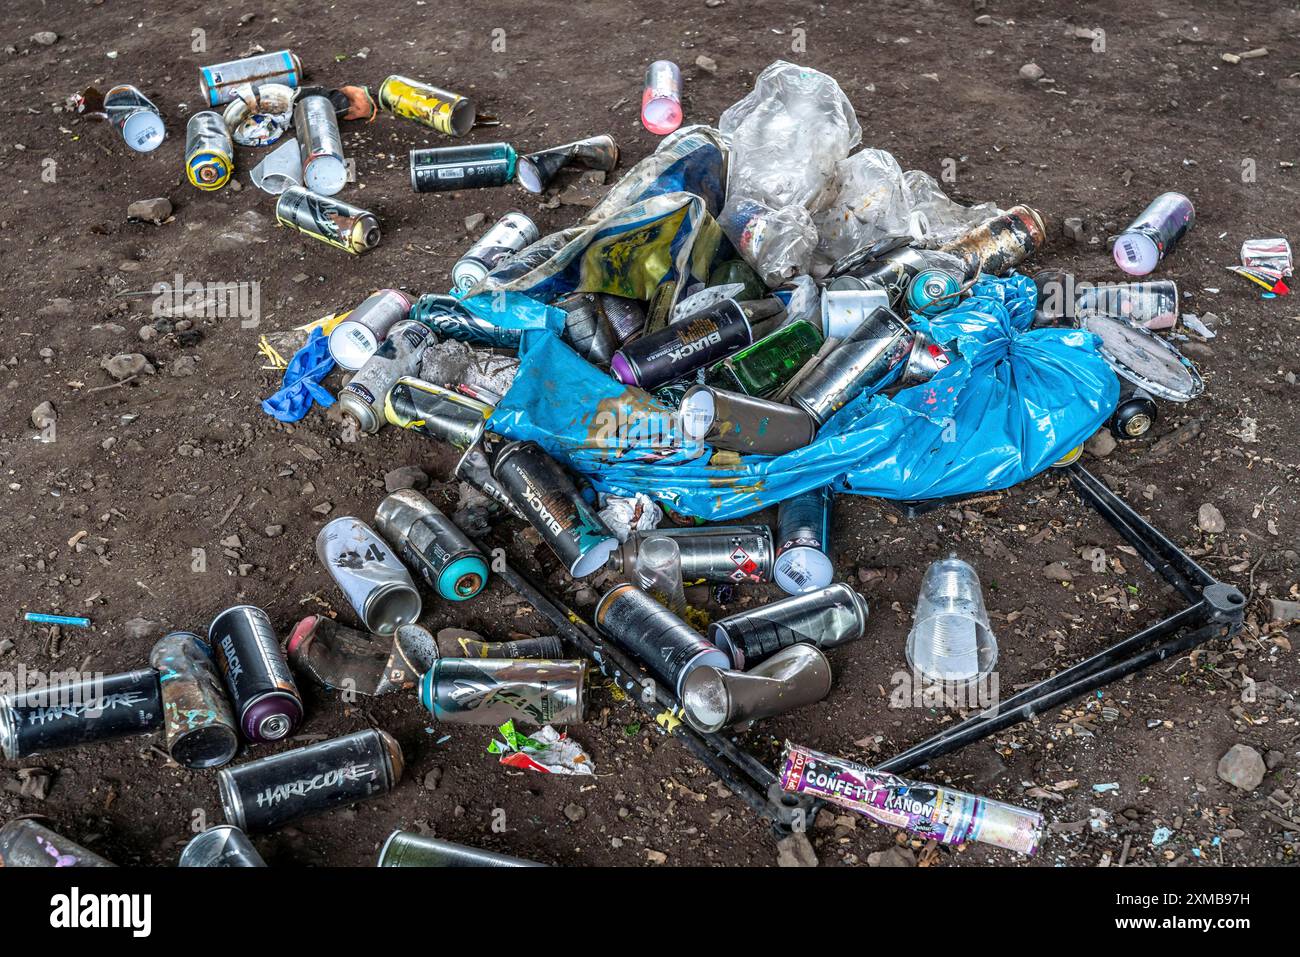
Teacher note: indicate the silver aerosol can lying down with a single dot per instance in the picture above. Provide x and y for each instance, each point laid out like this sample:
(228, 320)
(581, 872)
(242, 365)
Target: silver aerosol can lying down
(358, 335)
(826, 618)
(492, 691)
(362, 399)
(222, 845)
(372, 577)
(408, 849)
(717, 698)
(27, 843)
(432, 544)
(664, 643)
(709, 553)
(509, 234)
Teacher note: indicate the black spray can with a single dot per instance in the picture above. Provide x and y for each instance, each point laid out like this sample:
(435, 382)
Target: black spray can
(26, 843)
(668, 646)
(825, 618)
(265, 794)
(454, 643)
(68, 714)
(267, 703)
(222, 845)
(462, 167)
(803, 536)
(576, 533)
(698, 340)
(408, 849)
(332, 221)
(432, 544)
(435, 412)
(197, 718)
(475, 467)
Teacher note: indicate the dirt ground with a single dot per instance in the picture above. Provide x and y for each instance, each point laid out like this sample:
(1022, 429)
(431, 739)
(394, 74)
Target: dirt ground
(102, 521)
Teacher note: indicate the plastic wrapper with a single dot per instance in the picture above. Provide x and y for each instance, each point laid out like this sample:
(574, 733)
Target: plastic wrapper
(625, 515)
(547, 751)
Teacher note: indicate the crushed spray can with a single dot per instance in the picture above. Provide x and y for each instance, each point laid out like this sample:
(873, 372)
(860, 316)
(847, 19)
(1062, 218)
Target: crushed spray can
(332, 221)
(320, 147)
(720, 554)
(509, 234)
(450, 320)
(28, 843)
(679, 349)
(668, 646)
(428, 105)
(596, 323)
(209, 151)
(222, 845)
(1003, 241)
(398, 356)
(432, 544)
(762, 368)
(436, 413)
(71, 713)
(444, 168)
(1154, 234)
(455, 643)
(933, 813)
(827, 618)
(536, 170)
(744, 423)
(870, 358)
(546, 494)
(716, 698)
(218, 83)
(265, 697)
(135, 118)
(340, 657)
(492, 691)
(1150, 304)
(892, 271)
(198, 720)
(803, 536)
(358, 335)
(269, 792)
(408, 849)
(376, 584)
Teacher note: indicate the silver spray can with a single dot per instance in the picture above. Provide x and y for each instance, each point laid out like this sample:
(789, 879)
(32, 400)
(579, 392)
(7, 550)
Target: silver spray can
(373, 579)
(509, 234)
(135, 117)
(492, 691)
(362, 399)
(710, 553)
(218, 83)
(27, 843)
(869, 358)
(324, 170)
(716, 698)
(826, 618)
(222, 845)
(803, 537)
(358, 335)
(665, 644)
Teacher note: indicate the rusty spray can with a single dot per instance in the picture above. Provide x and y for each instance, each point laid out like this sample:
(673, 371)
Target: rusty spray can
(507, 236)
(428, 105)
(669, 647)
(827, 618)
(197, 717)
(1003, 241)
(492, 691)
(222, 845)
(370, 575)
(710, 553)
(436, 413)
(320, 147)
(358, 335)
(432, 544)
(399, 355)
(265, 697)
(803, 537)
(332, 221)
(135, 117)
(209, 151)
(28, 843)
(218, 83)
(71, 713)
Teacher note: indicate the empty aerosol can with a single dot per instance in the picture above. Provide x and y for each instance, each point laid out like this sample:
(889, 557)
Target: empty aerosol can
(803, 537)
(445, 168)
(453, 643)
(264, 794)
(450, 320)
(435, 108)
(28, 843)
(218, 83)
(197, 716)
(1154, 234)
(399, 355)
(1003, 241)
(827, 618)
(320, 147)
(432, 544)
(892, 271)
(475, 467)
(711, 553)
(567, 523)
(509, 234)
(682, 347)
(870, 358)
(492, 691)
(536, 170)
(771, 362)
(358, 335)
(68, 714)
(408, 849)
(209, 151)
(717, 698)
(222, 845)
(1151, 304)
(374, 581)
(332, 221)
(668, 646)
(744, 423)
(135, 117)
(435, 412)
(265, 697)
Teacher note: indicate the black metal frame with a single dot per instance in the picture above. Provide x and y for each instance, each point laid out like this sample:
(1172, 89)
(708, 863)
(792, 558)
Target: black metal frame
(1214, 610)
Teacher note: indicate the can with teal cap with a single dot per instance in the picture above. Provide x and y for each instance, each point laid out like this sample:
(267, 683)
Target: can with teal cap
(432, 544)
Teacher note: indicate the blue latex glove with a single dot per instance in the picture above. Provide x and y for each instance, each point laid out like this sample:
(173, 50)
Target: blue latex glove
(302, 378)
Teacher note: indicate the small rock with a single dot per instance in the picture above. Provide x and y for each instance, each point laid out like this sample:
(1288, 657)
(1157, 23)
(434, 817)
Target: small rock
(147, 332)
(706, 63)
(1283, 610)
(232, 541)
(1242, 767)
(892, 857)
(1057, 572)
(56, 307)
(46, 38)
(408, 476)
(273, 531)
(43, 416)
(7, 645)
(655, 857)
(324, 508)
(183, 366)
(1101, 444)
(1031, 72)
(1273, 760)
(795, 850)
(433, 779)
(575, 812)
(150, 210)
(473, 221)
(125, 365)
(1210, 519)
(137, 628)
(1072, 227)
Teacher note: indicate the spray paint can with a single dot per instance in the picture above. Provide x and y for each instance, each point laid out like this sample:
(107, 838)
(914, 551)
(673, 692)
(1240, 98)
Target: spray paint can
(432, 544)
(475, 467)
(743, 423)
(1003, 241)
(668, 646)
(870, 358)
(209, 151)
(68, 714)
(661, 100)
(376, 584)
(408, 849)
(222, 845)
(596, 323)
(198, 721)
(679, 349)
(428, 105)
(269, 792)
(28, 843)
(454, 643)
(803, 536)
(762, 368)
(509, 234)
(827, 618)
(933, 291)
(536, 170)
(1134, 415)
(492, 691)
(397, 357)
(722, 554)
(926, 360)
(717, 698)
(1150, 304)
(892, 271)
(265, 696)
(320, 147)
(435, 412)
(218, 83)
(462, 167)
(1154, 234)
(450, 320)
(937, 813)
(567, 523)
(135, 117)
(357, 336)
(332, 221)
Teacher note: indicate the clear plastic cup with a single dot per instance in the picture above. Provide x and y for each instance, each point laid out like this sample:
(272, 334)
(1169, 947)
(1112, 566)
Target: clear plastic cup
(951, 640)
(659, 572)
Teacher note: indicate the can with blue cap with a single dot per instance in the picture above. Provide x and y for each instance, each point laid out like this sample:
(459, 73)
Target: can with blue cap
(432, 544)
